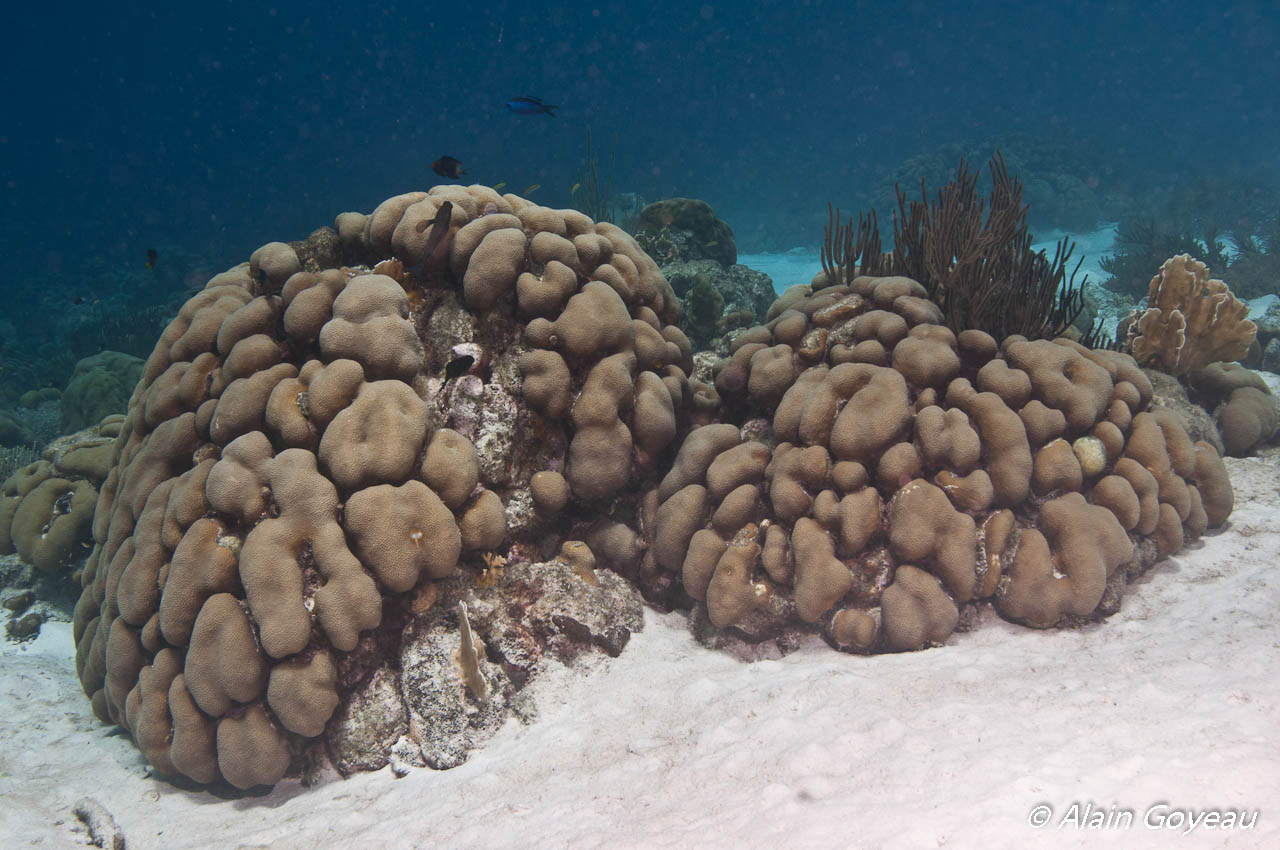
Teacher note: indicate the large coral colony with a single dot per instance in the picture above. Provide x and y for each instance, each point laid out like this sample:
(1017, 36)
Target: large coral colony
(464, 397)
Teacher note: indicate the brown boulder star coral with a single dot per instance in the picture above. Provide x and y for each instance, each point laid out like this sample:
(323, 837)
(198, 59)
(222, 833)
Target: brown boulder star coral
(369, 481)
(908, 474)
(311, 450)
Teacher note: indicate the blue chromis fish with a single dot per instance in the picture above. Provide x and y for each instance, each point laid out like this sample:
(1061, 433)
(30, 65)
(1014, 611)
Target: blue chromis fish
(530, 105)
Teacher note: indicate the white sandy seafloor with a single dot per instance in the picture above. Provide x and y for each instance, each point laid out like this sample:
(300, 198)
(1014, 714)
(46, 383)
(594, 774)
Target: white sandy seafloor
(1171, 706)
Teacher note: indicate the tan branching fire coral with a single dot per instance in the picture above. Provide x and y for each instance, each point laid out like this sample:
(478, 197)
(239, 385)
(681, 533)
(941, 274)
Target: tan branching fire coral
(1191, 320)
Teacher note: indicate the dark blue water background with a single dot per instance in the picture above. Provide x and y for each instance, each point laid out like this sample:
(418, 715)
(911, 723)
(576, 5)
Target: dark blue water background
(214, 127)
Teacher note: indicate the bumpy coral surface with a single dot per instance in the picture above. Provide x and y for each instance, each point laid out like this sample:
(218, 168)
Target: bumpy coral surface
(907, 474)
(99, 386)
(311, 448)
(366, 480)
(1246, 413)
(46, 507)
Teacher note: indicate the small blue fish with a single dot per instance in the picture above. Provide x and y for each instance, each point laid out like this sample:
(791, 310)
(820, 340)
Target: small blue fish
(530, 105)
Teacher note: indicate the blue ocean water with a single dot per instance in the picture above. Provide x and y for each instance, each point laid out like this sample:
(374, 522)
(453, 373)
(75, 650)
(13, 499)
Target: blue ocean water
(203, 131)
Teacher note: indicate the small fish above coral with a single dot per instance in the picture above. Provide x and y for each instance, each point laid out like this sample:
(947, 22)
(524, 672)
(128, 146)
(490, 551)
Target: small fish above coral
(447, 166)
(458, 366)
(530, 105)
(152, 256)
(440, 228)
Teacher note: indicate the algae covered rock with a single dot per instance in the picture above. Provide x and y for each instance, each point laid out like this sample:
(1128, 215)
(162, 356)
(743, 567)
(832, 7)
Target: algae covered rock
(703, 310)
(37, 397)
(683, 229)
(12, 431)
(716, 299)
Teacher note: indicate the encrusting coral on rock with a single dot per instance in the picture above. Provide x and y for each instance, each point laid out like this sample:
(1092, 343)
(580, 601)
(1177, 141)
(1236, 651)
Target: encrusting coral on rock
(369, 481)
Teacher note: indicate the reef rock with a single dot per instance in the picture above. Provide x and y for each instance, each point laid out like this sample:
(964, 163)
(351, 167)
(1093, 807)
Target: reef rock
(718, 299)
(683, 229)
